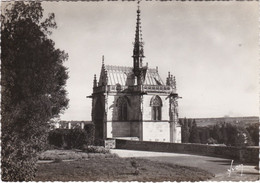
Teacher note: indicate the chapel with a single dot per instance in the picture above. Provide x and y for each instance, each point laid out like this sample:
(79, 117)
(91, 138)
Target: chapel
(134, 102)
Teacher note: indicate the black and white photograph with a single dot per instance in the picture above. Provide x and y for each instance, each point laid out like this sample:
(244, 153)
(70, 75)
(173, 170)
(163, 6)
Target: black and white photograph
(140, 90)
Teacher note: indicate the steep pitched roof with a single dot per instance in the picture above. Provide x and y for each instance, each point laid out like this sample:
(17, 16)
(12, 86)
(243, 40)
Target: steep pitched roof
(125, 76)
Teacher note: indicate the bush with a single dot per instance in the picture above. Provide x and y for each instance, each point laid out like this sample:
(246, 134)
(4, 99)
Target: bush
(96, 149)
(56, 138)
(75, 138)
(18, 159)
(70, 138)
(90, 129)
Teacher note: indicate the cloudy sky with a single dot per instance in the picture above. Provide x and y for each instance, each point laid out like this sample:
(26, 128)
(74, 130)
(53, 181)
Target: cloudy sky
(211, 48)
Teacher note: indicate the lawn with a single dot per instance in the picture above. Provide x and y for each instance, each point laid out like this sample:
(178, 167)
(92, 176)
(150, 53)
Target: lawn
(72, 155)
(117, 169)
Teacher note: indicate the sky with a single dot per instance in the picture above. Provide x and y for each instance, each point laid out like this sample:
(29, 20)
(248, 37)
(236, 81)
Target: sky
(210, 47)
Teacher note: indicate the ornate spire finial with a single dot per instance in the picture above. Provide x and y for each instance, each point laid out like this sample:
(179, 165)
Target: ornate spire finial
(138, 6)
(95, 81)
(138, 52)
(168, 79)
(174, 83)
(103, 59)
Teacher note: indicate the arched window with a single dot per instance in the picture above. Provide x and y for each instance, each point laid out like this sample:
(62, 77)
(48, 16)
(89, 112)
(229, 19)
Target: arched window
(122, 109)
(156, 105)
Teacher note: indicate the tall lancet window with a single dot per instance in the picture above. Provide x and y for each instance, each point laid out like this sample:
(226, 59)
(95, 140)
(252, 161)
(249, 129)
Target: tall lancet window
(156, 105)
(122, 108)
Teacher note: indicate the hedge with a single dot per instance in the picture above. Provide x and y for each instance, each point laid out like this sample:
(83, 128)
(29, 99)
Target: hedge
(72, 138)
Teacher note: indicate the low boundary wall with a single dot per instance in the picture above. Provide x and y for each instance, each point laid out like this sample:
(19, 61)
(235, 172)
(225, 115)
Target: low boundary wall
(248, 154)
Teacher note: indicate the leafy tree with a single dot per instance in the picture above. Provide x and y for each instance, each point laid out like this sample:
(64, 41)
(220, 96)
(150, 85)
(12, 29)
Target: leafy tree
(90, 129)
(181, 122)
(253, 130)
(231, 134)
(33, 87)
(185, 132)
(242, 137)
(189, 124)
(194, 135)
(238, 136)
(223, 131)
(204, 134)
(216, 133)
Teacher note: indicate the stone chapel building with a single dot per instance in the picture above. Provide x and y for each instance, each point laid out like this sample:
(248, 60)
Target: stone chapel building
(134, 102)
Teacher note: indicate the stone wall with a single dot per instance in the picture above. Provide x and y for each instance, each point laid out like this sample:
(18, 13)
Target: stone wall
(135, 129)
(118, 129)
(123, 129)
(246, 154)
(152, 131)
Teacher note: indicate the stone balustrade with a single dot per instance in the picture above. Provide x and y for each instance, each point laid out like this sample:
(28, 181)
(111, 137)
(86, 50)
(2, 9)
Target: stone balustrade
(145, 88)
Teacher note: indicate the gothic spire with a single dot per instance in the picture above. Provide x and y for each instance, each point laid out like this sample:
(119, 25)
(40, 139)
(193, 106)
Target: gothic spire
(174, 83)
(103, 60)
(95, 81)
(138, 52)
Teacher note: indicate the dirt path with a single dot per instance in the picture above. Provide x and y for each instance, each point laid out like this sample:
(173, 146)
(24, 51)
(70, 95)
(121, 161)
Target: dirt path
(217, 166)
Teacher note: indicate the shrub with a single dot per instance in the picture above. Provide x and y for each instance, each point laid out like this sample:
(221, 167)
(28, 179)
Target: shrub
(56, 137)
(69, 138)
(96, 149)
(90, 130)
(18, 159)
(75, 138)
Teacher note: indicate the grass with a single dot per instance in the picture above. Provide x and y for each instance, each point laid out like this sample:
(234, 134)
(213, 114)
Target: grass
(118, 169)
(72, 155)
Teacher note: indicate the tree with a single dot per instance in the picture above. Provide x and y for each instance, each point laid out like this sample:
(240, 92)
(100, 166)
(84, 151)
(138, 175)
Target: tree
(181, 122)
(253, 130)
(194, 135)
(238, 136)
(231, 134)
(242, 137)
(204, 134)
(216, 133)
(223, 130)
(33, 87)
(189, 121)
(185, 132)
